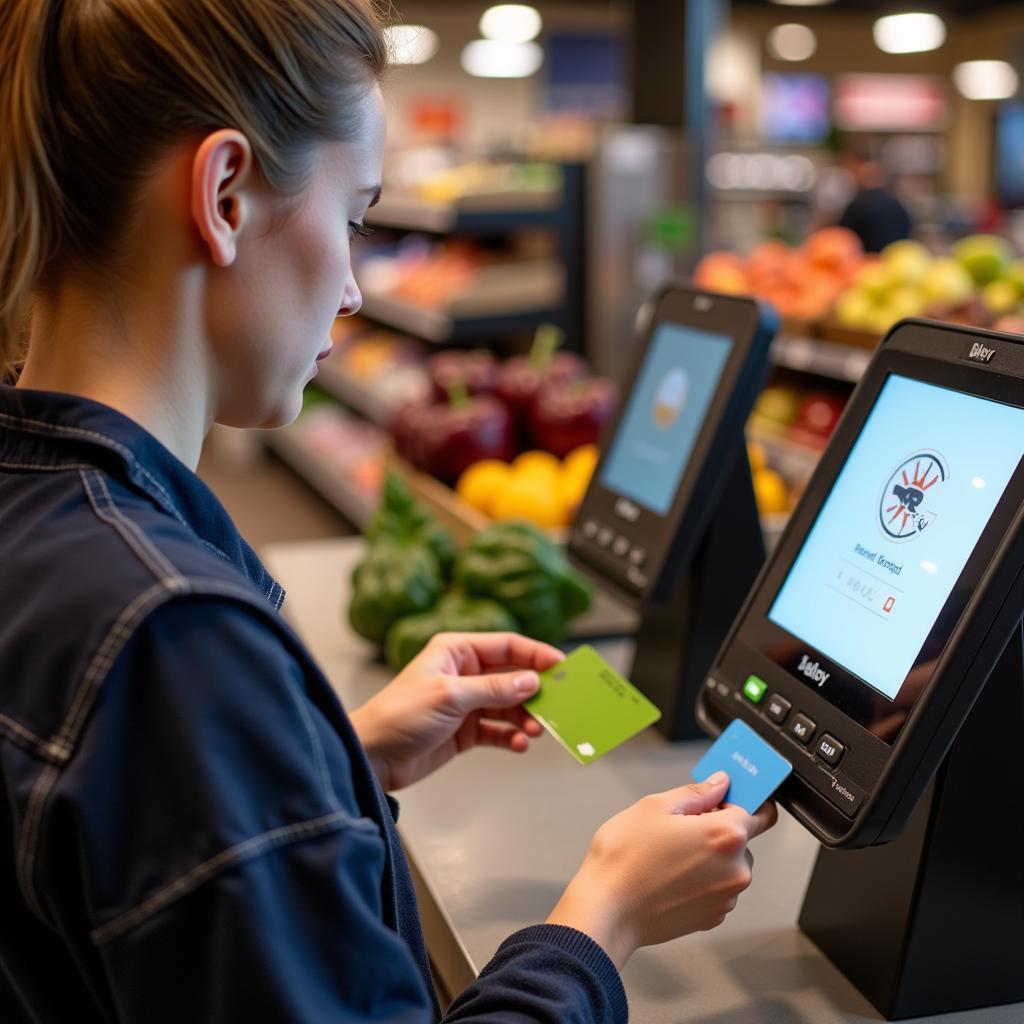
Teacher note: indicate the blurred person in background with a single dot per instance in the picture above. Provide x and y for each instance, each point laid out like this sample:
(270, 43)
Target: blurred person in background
(874, 213)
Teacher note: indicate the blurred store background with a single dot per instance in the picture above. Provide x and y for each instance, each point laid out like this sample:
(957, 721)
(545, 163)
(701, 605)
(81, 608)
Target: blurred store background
(550, 165)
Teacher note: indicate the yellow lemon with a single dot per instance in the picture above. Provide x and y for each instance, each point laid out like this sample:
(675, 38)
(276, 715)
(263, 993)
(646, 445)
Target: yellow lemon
(581, 461)
(756, 457)
(571, 489)
(537, 464)
(771, 492)
(531, 498)
(481, 483)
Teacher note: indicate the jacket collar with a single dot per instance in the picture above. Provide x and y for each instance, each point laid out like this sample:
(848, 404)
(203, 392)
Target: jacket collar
(51, 430)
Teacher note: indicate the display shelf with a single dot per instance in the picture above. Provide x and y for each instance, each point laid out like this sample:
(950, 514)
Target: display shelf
(366, 401)
(471, 316)
(473, 214)
(794, 461)
(824, 358)
(352, 502)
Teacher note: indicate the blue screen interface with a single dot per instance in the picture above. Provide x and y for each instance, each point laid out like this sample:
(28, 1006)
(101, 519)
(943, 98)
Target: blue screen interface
(666, 410)
(892, 538)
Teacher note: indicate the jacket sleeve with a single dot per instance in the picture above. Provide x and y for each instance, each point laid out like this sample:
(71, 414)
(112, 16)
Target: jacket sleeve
(231, 875)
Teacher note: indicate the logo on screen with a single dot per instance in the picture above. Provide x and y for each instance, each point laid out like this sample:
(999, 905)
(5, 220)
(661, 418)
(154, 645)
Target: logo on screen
(907, 505)
(670, 397)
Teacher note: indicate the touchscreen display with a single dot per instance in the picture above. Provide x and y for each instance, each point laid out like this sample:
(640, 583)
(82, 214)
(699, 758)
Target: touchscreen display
(670, 399)
(905, 513)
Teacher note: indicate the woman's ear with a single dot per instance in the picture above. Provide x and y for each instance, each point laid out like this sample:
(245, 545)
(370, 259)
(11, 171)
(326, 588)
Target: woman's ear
(221, 168)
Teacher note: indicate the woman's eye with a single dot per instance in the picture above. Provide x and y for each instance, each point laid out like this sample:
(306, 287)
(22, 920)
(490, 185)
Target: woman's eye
(357, 230)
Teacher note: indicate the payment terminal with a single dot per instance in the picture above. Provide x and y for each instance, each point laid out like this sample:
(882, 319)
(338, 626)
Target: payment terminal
(894, 589)
(669, 521)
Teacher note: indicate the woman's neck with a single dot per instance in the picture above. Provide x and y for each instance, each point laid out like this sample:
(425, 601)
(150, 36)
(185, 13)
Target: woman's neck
(137, 357)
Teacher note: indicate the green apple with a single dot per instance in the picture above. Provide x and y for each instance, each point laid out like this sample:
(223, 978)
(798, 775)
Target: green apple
(1014, 273)
(984, 257)
(906, 262)
(1000, 296)
(880, 319)
(947, 283)
(905, 302)
(853, 308)
(873, 280)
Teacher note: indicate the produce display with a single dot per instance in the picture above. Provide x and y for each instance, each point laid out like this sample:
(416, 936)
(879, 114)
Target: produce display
(517, 566)
(979, 282)
(445, 438)
(347, 448)
(479, 179)
(535, 486)
(487, 412)
(412, 584)
(801, 283)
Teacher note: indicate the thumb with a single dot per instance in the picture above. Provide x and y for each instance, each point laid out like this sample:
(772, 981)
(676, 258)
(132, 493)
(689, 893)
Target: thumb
(494, 690)
(698, 797)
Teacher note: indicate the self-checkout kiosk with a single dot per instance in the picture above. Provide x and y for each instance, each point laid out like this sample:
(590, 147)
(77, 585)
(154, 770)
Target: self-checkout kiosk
(669, 523)
(881, 652)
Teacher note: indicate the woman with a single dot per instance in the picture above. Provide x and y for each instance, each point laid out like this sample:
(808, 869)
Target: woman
(192, 827)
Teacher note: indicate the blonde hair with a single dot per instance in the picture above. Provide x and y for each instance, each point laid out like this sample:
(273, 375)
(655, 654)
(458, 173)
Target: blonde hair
(91, 92)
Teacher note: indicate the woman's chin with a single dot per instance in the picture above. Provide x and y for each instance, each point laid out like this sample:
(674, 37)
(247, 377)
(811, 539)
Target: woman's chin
(270, 417)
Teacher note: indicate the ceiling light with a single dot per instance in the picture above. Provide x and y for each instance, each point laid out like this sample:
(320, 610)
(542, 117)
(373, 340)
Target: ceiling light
(909, 33)
(792, 42)
(487, 58)
(411, 44)
(985, 79)
(511, 23)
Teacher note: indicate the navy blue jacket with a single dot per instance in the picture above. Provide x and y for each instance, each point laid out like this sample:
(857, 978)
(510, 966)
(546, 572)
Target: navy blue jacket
(189, 829)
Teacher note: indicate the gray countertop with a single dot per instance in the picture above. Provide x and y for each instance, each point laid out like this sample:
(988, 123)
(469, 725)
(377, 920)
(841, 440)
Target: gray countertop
(493, 837)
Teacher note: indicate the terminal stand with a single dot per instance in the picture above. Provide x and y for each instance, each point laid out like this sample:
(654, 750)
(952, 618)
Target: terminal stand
(934, 921)
(678, 638)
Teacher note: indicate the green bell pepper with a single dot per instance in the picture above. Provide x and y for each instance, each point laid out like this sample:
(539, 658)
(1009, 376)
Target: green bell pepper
(401, 518)
(516, 565)
(392, 581)
(455, 612)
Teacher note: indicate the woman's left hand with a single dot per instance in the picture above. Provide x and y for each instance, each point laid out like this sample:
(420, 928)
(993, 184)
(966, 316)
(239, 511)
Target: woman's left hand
(462, 690)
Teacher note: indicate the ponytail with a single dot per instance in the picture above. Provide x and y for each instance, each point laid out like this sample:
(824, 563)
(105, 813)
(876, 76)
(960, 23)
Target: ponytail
(29, 193)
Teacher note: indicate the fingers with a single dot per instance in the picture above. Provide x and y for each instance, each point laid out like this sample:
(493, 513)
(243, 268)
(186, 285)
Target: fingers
(518, 716)
(766, 816)
(497, 690)
(478, 652)
(754, 824)
(697, 797)
(503, 735)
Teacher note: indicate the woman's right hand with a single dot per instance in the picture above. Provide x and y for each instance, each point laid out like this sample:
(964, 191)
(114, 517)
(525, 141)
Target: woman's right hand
(672, 864)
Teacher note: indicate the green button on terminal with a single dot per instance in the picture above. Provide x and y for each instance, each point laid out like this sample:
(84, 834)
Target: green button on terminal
(754, 689)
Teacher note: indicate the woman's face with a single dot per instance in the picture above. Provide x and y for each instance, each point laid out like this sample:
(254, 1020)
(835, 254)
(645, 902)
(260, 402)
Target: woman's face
(270, 318)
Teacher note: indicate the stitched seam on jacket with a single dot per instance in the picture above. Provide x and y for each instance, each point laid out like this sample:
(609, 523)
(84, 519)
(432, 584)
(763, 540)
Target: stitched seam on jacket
(63, 744)
(246, 850)
(130, 532)
(318, 751)
(114, 641)
(27, 740)
(108, 442)
(48, 469)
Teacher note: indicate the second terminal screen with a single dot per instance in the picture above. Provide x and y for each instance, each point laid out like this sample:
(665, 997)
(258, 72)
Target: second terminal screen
(666, 410)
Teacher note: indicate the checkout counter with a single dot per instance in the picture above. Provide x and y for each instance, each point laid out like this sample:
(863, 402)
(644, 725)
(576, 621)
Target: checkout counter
(878, 650)
(493, 838)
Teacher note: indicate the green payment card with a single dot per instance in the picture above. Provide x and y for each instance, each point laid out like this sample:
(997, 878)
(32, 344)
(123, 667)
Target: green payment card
(588, 707)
